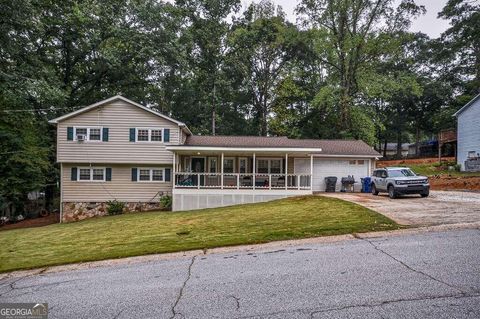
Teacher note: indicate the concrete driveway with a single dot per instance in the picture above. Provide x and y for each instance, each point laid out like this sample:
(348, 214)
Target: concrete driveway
(441, 207)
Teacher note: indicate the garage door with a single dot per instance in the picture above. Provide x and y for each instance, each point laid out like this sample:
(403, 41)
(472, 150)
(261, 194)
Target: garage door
(332, 167)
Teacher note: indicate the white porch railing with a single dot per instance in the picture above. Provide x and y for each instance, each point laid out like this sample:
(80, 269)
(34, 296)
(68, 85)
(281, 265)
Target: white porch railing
(242, 181)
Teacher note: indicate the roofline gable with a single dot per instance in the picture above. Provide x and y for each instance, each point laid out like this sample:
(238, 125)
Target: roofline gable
(111, 99)
(466, 106)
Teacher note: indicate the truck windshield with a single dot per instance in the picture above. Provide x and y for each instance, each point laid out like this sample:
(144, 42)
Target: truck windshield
(400, 173)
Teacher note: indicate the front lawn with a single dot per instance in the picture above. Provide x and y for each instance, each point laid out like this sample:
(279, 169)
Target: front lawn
(161, 232)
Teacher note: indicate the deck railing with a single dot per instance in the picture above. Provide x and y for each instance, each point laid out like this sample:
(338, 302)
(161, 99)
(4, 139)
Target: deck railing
(242, 181)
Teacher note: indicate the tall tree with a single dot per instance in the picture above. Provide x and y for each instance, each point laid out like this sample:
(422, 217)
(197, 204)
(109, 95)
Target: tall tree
(260, 50)
(353, 35)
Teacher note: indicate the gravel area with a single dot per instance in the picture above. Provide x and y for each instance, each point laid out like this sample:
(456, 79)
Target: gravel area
(441, 207)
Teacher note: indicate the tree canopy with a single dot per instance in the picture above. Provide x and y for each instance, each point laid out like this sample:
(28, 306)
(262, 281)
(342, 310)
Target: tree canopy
(346, 69)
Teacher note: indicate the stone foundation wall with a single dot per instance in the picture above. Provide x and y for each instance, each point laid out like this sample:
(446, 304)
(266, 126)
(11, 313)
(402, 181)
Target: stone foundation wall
(75, 211)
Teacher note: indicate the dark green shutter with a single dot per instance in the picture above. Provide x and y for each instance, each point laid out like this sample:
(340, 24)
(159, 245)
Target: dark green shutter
(168, 174)
(105, 134)
(134, 174)
(166, 135)
(74, 174)
(69, 133)
(132, 135)
(108, 174)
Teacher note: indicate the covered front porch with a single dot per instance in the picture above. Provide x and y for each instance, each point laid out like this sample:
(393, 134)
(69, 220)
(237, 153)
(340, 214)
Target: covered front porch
(241, 170)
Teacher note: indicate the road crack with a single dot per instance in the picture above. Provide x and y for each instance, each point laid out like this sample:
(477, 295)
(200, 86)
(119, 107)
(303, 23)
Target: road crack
(408, 266)
(237, 301)
(180, 294)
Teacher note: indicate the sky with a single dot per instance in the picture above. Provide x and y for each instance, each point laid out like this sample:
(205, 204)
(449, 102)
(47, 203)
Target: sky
(427, 23)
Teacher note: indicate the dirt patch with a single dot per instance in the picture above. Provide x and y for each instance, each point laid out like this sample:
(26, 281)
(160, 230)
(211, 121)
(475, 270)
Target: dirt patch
(34, 222)
(442, 182)
(415, 161)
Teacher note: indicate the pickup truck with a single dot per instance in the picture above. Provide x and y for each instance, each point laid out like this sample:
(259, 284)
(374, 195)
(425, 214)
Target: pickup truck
(398, 181)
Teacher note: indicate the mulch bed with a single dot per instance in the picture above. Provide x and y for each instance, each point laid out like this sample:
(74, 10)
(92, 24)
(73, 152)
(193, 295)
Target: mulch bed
(34, 222)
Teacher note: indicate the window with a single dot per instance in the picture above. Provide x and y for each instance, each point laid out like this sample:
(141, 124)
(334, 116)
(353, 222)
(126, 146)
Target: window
(90, 133)
(149, 135)
(84, 174)
(142, 135)
(242, 163)
(275, 166)
(356, 162)
(157, 175)
(212, 164)
(94, 134)
(269, 166)
(144, 175)
(97, 174)
(228, 165)
(91, 174)
(151, 174)
(156, 135)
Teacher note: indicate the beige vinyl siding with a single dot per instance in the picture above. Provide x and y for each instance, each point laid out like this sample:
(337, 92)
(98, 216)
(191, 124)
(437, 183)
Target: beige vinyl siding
(119, 117)
(120, 187)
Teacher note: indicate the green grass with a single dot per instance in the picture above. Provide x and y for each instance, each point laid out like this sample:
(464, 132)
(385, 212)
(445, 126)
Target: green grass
(161, 232)
(430, 169)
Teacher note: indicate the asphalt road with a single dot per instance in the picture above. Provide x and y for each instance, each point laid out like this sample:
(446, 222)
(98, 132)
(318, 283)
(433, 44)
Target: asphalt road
(422, 275)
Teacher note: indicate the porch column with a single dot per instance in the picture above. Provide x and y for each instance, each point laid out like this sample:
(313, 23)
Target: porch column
(311, 171)
(253, 171)
(221, 172)
(174, 169)
(286, 171)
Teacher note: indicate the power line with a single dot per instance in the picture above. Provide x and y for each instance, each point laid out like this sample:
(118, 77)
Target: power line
(34, 110)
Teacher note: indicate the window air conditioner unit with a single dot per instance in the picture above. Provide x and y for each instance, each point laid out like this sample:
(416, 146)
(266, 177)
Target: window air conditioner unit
(81, 137)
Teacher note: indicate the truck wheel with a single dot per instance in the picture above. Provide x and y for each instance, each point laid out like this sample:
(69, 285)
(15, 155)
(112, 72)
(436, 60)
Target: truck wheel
(425, 194)
(391, 192)
(374, 190)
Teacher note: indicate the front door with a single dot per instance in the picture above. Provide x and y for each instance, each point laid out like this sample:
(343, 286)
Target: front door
(198, 166)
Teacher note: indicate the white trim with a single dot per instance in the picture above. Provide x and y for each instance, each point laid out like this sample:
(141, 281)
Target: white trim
(150, 129)
(466, 106)
(111, 99)
(258, 191)
(91, 168)
(87, 136)
(269, 159)
(150, 173)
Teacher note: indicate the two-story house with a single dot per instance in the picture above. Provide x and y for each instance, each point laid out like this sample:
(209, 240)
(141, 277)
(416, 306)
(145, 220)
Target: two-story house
(117, 149)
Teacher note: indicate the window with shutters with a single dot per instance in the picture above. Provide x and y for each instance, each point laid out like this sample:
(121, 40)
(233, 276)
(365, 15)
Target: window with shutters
(151, 174)
(87, 134)
(150, 134)
(91, 174)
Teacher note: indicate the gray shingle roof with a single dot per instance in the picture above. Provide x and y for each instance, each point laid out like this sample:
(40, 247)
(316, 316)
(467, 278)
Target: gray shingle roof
(329, 147)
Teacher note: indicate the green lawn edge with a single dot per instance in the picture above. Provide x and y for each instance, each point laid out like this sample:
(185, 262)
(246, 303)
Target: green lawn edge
(139, 234)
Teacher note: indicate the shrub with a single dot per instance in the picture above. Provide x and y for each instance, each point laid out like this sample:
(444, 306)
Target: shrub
(166, 201)
(114, 207)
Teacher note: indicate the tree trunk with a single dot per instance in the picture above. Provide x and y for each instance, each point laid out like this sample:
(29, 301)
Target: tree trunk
(214, 115)
(399, 144)
(385, 148)
(417, 139)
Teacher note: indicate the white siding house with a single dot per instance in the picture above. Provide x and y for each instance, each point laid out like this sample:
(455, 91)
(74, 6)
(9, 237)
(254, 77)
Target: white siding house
(468, 134)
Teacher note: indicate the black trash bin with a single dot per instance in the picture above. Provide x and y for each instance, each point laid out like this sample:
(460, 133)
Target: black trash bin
(330, 183)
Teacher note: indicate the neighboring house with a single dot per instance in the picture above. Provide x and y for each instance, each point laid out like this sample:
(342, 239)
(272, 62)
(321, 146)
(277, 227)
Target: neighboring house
(468, 135)
(391, 149)
(119, 149)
